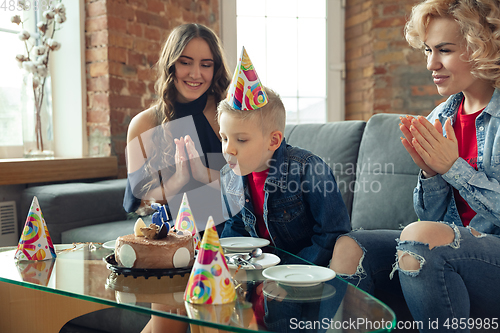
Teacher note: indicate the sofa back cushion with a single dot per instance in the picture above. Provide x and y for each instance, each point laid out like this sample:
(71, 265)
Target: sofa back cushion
(73, 205)
(386, 177)
(337, 143)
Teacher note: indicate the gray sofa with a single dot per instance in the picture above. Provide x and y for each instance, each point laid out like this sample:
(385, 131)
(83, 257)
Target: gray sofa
(375, 175)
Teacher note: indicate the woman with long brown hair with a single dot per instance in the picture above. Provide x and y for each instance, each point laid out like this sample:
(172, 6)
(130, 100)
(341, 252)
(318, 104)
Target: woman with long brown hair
(163, 141)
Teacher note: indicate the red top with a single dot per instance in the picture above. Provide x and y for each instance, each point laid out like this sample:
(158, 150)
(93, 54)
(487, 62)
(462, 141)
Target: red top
(256, 182)
(465, 131)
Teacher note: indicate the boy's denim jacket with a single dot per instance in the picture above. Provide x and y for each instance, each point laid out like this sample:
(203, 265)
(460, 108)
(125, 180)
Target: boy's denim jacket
(303, 208)
(433, 197)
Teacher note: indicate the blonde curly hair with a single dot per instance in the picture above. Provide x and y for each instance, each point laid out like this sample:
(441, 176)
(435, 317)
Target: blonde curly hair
(479, 22)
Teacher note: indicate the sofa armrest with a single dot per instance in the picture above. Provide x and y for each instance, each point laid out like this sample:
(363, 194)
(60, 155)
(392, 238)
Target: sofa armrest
(73, 205)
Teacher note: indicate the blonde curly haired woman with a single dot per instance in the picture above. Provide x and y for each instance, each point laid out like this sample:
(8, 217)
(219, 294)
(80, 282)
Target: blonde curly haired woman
(449, 261)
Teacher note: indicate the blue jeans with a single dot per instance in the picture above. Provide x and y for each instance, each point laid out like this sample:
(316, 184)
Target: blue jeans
(455, 282)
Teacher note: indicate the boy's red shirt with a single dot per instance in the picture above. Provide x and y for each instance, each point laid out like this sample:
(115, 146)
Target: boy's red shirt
(256, 182)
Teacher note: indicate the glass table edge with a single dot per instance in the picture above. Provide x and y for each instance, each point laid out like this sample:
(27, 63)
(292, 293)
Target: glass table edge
(130, 307)
(144, 310)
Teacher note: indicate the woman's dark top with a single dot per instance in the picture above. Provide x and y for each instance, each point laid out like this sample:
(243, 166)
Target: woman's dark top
(211, 147)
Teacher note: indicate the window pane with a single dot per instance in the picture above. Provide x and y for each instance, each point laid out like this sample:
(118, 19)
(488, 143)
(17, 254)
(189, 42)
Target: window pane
(252, 35)
(250, 8)
(291, 110)
(312, 57)
(312, 8)
(10, 91)
(281, 8)
(287, 44)
(282, 55)
(312, 110)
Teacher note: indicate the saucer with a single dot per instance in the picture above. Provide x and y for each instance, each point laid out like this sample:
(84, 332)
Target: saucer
(242, 244)
(298, 275)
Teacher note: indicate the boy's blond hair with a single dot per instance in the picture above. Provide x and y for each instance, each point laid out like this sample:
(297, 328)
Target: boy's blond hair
(272, 116)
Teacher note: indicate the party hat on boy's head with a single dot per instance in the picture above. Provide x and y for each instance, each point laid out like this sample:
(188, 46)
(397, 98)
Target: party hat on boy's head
(210, 281)
(246, 92)
(35, 242)
(185, 221)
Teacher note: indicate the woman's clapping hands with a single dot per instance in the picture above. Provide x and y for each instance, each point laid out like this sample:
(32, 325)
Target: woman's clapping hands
(433, 152)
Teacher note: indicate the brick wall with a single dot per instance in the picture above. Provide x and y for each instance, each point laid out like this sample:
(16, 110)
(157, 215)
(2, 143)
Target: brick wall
(123, 41)
(384, 74)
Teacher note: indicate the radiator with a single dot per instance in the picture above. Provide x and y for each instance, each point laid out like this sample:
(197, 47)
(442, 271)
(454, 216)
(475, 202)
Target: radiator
(8, 224)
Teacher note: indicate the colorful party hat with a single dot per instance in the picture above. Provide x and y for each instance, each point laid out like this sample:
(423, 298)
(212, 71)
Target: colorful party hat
(35, 242)
(185, 221)
(210, 281)
(246, 92)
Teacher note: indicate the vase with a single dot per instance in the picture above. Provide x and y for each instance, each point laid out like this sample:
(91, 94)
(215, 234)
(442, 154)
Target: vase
(38, 129)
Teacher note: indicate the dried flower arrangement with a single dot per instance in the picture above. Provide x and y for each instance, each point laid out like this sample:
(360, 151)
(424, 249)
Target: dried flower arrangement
(36, 60)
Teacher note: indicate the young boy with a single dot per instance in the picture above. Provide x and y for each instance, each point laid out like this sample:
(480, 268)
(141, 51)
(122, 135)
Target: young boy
(270, 189)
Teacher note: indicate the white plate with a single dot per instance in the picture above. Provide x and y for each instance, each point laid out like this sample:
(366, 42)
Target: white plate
(109, 244)
(242, 244)
(265, 260)
(298, 275)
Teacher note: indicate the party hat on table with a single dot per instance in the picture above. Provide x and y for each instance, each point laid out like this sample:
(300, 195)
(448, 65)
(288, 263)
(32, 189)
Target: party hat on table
(246, 92)
(210, 281)
(35, 242)
(185, 221)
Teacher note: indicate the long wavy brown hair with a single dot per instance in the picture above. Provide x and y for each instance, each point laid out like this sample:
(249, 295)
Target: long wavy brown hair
(163, 154)
(172, 50)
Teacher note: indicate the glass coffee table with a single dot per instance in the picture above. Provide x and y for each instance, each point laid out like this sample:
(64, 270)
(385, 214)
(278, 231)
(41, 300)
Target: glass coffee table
(42, 296)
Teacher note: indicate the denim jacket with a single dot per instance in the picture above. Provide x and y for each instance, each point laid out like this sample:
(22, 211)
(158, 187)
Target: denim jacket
(433, 197)
(303, 208)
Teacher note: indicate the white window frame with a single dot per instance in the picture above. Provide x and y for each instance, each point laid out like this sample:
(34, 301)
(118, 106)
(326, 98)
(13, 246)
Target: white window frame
(69, 100)
(335, 23)
(69, 84)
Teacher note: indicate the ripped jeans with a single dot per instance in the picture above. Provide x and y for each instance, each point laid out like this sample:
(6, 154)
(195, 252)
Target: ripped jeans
(455, 282)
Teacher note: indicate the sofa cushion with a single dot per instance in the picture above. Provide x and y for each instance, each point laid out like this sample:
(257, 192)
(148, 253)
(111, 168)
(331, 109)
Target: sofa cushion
(337, 143)
(386, 177)
(73, 205)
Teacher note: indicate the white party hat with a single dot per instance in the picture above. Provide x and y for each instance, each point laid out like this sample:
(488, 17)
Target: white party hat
(35, 242)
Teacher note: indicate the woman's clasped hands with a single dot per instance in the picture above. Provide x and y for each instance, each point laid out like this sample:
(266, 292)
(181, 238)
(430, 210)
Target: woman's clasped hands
(185, 151)
(432, 151)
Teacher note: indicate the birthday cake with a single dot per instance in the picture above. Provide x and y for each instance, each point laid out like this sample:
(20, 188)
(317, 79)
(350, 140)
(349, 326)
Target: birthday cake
(155, 247)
